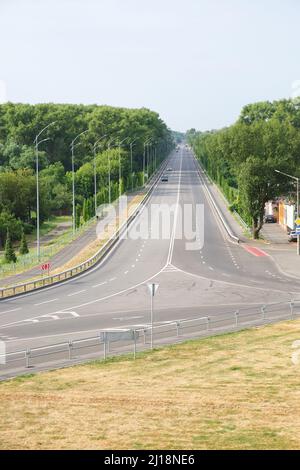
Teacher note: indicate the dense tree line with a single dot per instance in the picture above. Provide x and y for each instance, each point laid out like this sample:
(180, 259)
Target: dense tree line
(243, 158)
(19, 125)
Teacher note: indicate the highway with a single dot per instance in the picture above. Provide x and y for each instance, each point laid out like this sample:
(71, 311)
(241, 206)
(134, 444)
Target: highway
(219, 277)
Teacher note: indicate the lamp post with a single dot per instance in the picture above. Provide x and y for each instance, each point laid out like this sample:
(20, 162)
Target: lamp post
(120, 167)
(297, 180)
(96, 144)
(144, 158)
(109, 169)
(73, 177)
(37, 142)
(131, 145)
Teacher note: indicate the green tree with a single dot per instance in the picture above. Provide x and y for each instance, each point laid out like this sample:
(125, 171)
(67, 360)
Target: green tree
(9, 253)
(23, 246)
(78, 216)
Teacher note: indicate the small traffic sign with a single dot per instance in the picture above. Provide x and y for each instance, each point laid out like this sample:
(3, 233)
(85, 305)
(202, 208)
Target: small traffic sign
(153, 288)
(297, 230)
(297, 221)
(45, 267)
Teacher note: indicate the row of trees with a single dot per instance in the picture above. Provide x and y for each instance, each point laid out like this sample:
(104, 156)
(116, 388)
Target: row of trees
(20, 123)
(243, 158)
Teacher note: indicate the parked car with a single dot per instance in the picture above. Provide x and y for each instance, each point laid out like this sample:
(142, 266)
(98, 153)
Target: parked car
(164, 179)
(269, 219)
(292, 236)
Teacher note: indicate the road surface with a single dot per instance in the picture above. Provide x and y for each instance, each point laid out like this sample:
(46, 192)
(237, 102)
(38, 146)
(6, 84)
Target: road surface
(219, 277)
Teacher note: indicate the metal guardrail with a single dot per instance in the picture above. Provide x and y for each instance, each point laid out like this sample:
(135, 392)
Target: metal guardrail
(12, 291)
(220, 215)
(114, 342)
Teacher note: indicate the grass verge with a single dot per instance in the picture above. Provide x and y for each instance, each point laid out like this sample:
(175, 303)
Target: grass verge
(236, 391)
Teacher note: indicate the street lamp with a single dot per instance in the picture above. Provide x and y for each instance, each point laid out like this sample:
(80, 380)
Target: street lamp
(144, 158)
(73, 176)
(120, 168)
(109, 169)
(131, 145)
(296, 179)
(96, 144)
(37, 142)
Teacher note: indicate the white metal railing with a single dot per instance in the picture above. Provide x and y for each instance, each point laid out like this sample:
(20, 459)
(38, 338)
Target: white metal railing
(110, 342)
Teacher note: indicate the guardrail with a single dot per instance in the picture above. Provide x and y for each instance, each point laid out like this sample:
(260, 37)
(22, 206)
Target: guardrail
(12, 291)
(220, 215)
(119, 341)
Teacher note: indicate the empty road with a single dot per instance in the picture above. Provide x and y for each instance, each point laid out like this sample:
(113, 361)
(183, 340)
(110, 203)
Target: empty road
(217, 277)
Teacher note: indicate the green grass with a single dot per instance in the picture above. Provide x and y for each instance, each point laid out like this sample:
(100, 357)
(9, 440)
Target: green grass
(234, 391)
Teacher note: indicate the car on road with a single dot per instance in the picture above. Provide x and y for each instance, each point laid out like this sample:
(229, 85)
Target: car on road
(269, 219)
(292, 236)
(164, 179)
(169, 169)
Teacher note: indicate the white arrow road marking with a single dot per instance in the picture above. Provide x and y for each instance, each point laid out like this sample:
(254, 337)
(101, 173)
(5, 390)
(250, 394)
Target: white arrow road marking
(68, 312)
(50, 315)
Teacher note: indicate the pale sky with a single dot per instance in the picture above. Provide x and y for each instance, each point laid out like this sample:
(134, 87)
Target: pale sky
(196, 62)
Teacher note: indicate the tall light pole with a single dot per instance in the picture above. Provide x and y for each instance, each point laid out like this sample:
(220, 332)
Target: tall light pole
(96, 144)
(297, 180)
(109, 169)
(37, 142)
(131, 172)
(144, 158)
(73, 177)
(120, 167)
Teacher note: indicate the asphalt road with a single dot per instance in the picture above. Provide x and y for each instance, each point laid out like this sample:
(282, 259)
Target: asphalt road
(215, 278)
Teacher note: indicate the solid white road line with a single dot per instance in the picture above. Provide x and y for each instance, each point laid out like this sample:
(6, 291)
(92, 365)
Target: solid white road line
(171, 247)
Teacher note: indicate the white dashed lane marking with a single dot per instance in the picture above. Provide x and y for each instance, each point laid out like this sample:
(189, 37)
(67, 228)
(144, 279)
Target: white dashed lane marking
(13, 310)
(101, 284)
(76, 293)
(46, 302)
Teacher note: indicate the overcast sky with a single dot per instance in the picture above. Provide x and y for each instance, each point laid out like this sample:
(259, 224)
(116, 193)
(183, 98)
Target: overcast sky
(196, 62)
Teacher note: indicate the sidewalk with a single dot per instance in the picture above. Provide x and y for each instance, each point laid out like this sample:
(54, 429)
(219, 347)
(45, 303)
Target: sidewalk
(276, 244)
(273, 233)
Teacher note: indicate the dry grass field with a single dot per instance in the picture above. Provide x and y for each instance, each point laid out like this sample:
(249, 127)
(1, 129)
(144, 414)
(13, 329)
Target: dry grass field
(236, 391)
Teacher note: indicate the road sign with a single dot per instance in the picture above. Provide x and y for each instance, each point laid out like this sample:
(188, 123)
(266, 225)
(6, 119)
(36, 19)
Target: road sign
(297, 221)
(118, 335)
(45, 267)
(152, 289)
(297, 230)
